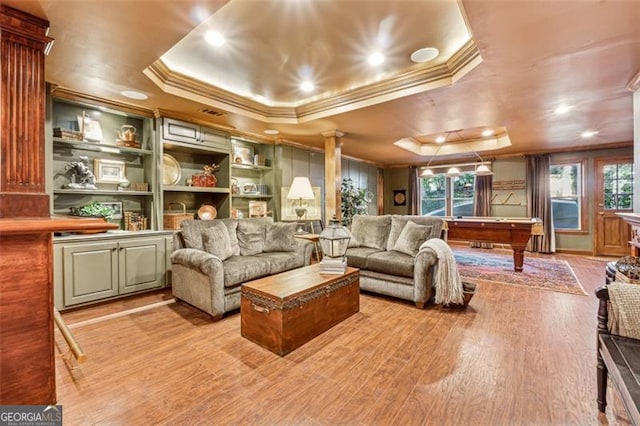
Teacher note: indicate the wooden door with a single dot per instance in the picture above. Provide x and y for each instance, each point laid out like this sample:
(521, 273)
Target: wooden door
(614, 194)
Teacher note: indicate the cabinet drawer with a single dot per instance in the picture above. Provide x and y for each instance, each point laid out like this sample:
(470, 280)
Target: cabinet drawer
(180, 131)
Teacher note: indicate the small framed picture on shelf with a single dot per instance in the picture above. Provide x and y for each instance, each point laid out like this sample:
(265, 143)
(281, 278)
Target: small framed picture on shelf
(117, 209)
(242, 154)
(257, 208)
(108, 171)
(91, 128)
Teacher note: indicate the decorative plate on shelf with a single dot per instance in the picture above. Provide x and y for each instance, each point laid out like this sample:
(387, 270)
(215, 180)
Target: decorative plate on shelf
(171, 170)
(207, 212)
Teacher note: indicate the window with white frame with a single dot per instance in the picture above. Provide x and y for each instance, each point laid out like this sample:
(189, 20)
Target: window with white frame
(566, 196)
(442, 195)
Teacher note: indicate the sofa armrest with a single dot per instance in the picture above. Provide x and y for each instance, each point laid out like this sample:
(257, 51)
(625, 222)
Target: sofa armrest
(426, 256)
(207, 263)
(423, 274)
(305, 248)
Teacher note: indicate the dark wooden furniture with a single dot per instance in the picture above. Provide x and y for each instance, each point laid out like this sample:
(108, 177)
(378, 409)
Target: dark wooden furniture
(619, 358)
(513, 231)
(27, 364)
(284, 311)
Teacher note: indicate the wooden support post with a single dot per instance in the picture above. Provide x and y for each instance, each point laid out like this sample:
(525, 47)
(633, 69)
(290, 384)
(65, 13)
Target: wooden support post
(332, 173)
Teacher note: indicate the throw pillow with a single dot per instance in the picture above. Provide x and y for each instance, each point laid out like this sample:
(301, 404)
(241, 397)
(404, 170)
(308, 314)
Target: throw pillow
(279, 236)
(251, 235)
(352, 240)
(217, 242)
(411, 238)
(232, 227)
(371, 231)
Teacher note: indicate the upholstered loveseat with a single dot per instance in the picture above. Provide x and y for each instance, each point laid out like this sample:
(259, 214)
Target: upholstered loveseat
(390, 252)
(212, 258)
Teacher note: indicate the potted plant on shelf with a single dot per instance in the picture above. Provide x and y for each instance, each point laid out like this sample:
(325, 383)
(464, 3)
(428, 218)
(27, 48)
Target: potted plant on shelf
(95, 209)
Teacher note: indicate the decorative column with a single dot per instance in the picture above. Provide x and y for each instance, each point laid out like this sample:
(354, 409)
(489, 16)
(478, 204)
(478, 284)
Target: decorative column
(634, 218)
(634, 86)
(22, 180)
(27, 363)
(332, 174)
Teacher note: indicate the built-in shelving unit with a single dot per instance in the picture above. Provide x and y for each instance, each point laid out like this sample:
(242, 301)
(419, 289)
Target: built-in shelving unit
(252, 178)
(124, 177)
(186, 149)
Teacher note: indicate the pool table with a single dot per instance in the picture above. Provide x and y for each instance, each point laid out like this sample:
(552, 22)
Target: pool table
(502, 230)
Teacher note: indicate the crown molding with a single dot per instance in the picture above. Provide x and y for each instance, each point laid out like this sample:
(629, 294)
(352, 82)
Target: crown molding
(72, 95)
(634, 84)
(416, 80)
(460, 147)
(332, 134)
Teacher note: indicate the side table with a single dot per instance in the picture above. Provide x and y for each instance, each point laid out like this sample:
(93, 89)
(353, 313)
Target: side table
(315, 239)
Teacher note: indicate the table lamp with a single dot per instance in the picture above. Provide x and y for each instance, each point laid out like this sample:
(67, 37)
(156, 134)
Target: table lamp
(300, 190)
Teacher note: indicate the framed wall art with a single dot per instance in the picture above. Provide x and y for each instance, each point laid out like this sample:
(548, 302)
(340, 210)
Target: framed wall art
(108, 171)
(399, 197)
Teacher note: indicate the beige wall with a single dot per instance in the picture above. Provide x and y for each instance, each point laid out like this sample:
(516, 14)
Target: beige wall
(291, 161)
(394, 179)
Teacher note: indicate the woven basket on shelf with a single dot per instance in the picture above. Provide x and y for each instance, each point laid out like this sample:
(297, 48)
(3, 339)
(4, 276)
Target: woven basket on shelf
(172, 220)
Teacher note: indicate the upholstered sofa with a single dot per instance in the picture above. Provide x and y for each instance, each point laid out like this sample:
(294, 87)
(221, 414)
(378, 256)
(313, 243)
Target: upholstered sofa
(212, 258)
(390, 252)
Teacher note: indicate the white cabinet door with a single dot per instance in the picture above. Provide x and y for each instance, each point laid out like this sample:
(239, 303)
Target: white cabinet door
(90, 272)
(141, 263)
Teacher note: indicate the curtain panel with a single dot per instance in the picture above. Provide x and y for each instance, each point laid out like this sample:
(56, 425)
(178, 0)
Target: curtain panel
(413, 195)
(482, 202)
(539, 202)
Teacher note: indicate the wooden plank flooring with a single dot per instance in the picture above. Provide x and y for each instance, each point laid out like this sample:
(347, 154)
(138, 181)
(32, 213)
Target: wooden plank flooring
(516, 356)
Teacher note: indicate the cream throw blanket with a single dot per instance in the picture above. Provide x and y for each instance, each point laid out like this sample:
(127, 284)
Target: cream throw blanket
(624, 312)
(448, 284)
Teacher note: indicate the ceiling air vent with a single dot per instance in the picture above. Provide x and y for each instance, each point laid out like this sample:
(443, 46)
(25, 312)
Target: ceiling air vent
(213, 112)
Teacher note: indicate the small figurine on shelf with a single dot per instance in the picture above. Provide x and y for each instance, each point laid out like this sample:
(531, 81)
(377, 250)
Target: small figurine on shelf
(82, 171)
(206, 179)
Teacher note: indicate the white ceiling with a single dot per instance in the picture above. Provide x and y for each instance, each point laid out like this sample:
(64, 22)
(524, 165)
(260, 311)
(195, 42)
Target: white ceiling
(523, 60)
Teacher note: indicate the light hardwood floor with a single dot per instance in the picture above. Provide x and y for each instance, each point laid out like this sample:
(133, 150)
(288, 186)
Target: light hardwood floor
(516, 356)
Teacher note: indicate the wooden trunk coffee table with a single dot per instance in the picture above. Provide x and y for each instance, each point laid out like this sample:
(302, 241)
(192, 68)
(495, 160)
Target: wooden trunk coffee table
(284, 311)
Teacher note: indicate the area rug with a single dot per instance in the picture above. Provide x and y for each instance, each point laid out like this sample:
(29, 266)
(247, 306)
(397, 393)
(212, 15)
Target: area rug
(492, 266)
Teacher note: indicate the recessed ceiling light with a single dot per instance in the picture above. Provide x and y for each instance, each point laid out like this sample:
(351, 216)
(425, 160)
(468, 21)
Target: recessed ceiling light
(588, 134)
(440, 139)
(307, 86)
(214, 38)
(132, 94)
(487, 133)
(376, 58)
(271, 132)
(562, 109)
(425, 54)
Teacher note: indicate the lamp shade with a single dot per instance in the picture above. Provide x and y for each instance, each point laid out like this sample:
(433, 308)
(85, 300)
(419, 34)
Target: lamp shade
(453, 171)
(301, 189)
(427, 173)
(483, 170)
